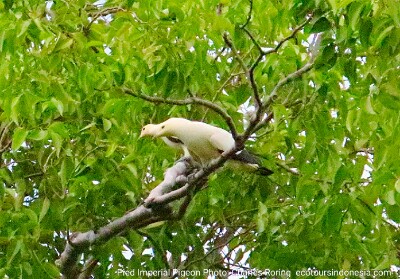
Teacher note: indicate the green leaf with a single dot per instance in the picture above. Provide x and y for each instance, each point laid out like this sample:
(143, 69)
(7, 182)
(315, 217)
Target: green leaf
(390, 197)
(18, 138)
(393, 212)
(15, 109)
(24, 26)
(45, 208)
(365, 32)
(59, 105)
(322, 24)
(5, 175)
(57, 142)
(63, 44)
(354, 13)
(397, 185)
(132, 168)
(51, 270)
(368, 105)
(17, 248)
(382, 36)
(262, 217)
(390, 101)
(111, 148)
(106, 124)
(328, 57)
(37, 135)
(28, 268)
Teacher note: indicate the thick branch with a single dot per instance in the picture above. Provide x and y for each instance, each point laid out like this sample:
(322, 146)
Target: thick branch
(188, 101)
(139, 217)
(80, 242)
(172, 176)
(197, 178)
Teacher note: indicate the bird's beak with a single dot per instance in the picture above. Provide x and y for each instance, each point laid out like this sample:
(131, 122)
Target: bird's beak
(142, 135)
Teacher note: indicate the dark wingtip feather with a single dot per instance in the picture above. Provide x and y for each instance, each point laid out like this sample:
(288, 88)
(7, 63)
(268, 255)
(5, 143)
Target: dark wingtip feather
(264, 171)
(246, 157)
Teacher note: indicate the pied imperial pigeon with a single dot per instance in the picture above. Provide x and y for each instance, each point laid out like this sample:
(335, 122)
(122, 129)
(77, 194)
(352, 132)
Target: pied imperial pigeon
(203, 142)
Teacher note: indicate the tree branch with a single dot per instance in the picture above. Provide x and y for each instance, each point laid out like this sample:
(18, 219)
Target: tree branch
(248, 73)
(188, 101)
(308, 66)
(172, 176)
(257, 123)
(90, 265)
(104, 12)
(248, 15)
(291, 36)
(139, 217)
(80, 242)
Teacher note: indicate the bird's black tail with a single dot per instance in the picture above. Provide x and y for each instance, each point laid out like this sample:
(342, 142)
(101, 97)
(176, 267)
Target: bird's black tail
(264, 171)
(246, 157)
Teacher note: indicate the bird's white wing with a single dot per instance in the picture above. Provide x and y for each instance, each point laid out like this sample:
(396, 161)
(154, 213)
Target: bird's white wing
(222, 141)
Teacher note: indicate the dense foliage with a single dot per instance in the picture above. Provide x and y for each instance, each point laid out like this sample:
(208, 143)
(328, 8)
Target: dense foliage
(71, 159)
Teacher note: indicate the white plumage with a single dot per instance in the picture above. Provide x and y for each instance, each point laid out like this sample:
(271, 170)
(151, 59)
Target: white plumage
(151, 129)
(202, 141)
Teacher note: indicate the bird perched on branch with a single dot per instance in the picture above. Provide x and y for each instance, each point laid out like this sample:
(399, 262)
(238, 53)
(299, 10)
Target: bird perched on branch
(203, 142)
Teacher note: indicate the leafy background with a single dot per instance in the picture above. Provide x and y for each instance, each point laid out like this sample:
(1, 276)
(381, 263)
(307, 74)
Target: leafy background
(71, 159)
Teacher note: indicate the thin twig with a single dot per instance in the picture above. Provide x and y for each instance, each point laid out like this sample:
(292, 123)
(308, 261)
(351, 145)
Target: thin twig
(90, 265)
(228, 80)
(288, 169)
(32, 175)
(249, 74)
(214, 249)
(261, 51)
(248, 15)
(156, 246)
(101, 13)
(308, 66)
(218, 92)
(291, 36)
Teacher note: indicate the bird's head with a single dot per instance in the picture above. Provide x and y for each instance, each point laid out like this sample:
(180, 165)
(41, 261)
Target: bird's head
(148, 130)
(153, 130)
(164, 129)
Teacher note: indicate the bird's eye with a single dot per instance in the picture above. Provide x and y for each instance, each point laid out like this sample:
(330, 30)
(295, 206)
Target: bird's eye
(163, 126)
(143, 128)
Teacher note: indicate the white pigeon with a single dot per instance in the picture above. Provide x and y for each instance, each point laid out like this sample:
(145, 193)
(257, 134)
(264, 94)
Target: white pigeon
(202, 141)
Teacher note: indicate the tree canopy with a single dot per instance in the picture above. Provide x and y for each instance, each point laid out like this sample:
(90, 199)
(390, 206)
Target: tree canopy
(312, 87)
